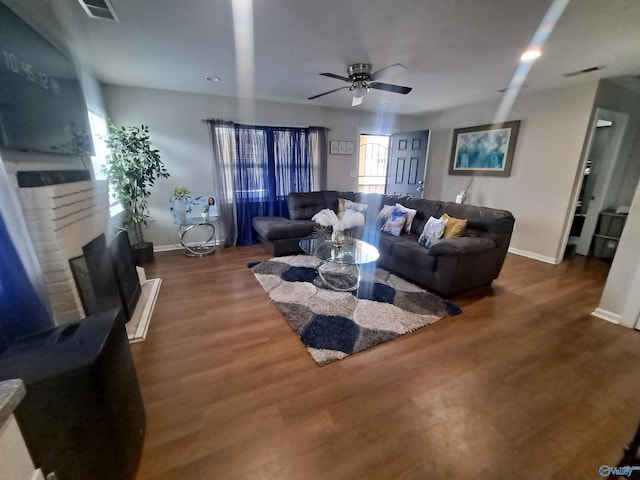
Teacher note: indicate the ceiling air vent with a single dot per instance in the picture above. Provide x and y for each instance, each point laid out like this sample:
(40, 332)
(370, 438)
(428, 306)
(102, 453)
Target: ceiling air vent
(584, 70)
(99, 9)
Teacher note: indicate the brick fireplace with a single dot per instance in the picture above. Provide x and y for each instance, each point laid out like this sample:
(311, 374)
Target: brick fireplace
(61, 219)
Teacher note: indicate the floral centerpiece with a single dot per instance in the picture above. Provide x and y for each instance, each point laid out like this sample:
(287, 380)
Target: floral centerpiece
(328, 218)
(181, 192)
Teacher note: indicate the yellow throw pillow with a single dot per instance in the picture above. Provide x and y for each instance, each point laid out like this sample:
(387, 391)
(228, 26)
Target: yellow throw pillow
(453, 227)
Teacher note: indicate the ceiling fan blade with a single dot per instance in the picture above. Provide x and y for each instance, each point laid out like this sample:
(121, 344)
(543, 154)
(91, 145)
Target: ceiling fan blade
(356, 101)
(339, 77)
(390, 70)
(390, 88)
(326, 93)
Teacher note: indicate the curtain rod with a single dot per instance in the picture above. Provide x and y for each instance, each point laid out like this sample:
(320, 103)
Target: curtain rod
(212, 120)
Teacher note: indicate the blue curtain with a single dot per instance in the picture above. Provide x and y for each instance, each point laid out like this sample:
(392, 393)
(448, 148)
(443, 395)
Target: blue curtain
(256, 167)
(24, 307)
(270, 163)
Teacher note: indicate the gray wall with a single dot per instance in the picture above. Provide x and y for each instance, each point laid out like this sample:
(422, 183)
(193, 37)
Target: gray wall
(625, 178)
(620, 302)
(540, 190)
(176, 129)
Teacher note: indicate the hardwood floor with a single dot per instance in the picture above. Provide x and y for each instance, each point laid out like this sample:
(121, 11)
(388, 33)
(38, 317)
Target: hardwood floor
(524, 384)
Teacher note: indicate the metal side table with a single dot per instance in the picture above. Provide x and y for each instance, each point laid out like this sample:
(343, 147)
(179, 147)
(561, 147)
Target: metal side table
(198, 236)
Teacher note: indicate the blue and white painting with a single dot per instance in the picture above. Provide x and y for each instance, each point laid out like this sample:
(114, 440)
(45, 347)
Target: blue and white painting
(196, 206)
(482, 150)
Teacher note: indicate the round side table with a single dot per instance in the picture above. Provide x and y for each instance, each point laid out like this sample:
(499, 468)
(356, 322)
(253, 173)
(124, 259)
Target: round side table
(198, 236)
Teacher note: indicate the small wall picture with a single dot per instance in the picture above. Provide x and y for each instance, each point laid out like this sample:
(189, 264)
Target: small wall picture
(198, 208)
(484, 150)
(341, 147)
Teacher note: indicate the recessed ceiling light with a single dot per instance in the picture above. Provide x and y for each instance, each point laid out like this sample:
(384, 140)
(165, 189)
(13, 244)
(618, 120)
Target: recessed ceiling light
(387, 101)
(212, 79)
(530, 55)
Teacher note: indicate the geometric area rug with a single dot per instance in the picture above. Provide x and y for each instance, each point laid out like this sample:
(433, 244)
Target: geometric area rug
(333, 325)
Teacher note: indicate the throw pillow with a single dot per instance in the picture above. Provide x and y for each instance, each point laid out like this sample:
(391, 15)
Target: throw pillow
(411, 214)
(346, 204)
(358, 207)
(395, 222)
(453, 226)
(432, 232)
(385, 211)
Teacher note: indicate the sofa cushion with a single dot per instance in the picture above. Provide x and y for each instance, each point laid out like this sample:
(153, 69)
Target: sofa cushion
(386, 241)
(278, 228)
(408, 251)
(461, 245)
(304, 205)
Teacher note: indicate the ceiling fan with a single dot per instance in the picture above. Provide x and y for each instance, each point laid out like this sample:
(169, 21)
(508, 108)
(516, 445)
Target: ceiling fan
(361, 79)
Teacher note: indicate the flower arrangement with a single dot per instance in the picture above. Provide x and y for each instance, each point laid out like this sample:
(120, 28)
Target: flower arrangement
(181, 192)
(328, 218)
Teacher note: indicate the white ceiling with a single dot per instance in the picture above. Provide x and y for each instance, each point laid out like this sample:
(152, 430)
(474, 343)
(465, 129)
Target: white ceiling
(456, 51)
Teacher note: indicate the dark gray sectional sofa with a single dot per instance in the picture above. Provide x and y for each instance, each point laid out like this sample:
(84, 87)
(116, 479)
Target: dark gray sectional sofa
(448, 267)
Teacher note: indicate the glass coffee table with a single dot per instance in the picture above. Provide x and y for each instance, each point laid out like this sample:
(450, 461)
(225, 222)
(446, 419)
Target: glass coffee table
(341, 270)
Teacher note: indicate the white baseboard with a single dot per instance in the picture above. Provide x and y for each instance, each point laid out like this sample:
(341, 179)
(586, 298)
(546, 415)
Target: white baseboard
(534, 256)
(167, 248)
(174, 246)
(607, 315)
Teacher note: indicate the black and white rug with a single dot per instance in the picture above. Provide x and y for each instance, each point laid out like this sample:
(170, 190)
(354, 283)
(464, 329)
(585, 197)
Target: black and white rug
(333, 325)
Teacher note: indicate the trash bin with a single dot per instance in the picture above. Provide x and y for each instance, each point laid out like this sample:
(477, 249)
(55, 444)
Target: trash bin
(82, 416)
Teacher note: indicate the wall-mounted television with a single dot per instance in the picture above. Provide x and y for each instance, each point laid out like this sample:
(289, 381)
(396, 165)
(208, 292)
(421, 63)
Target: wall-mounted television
(42, 107)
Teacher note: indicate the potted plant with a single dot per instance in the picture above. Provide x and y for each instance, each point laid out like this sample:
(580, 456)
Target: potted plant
(132, 168)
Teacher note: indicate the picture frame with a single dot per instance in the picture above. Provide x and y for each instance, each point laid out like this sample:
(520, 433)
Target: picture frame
(484, 149)
(196, 206)
(341, 147)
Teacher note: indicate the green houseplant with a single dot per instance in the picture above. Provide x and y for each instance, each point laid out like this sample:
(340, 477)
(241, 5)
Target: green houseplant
(132, 168)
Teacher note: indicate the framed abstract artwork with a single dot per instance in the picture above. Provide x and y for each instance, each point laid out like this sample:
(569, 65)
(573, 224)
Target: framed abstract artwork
(484, 150)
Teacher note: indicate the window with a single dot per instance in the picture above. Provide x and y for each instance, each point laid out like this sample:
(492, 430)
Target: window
(99, 132)
(372, 163)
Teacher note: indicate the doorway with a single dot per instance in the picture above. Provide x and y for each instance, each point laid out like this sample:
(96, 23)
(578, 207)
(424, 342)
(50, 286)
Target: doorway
(373, 157)
(393, 164)
(597, 171)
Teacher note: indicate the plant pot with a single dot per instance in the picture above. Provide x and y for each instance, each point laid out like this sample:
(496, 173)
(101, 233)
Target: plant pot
(142, 253)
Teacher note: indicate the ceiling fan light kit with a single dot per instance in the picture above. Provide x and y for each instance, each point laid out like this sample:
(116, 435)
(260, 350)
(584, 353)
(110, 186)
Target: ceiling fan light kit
(361, 80)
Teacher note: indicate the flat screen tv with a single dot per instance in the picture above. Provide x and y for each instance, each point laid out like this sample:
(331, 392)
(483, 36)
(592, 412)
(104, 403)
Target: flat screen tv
(42, 107)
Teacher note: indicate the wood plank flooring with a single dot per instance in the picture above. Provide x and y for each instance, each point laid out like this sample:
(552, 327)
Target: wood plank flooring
(524, 384)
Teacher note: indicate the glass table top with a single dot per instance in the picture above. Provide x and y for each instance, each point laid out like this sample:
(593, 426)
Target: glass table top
(196, 221)
(352, 252)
